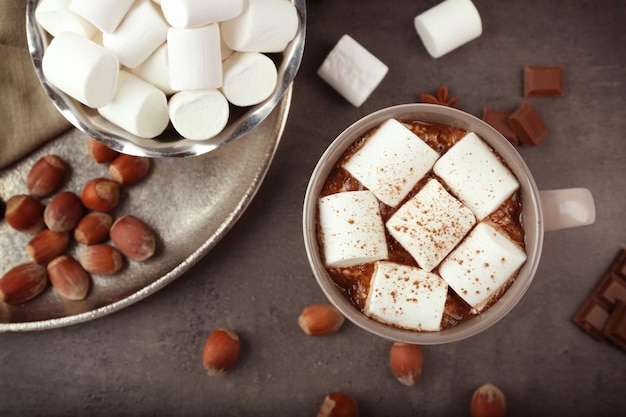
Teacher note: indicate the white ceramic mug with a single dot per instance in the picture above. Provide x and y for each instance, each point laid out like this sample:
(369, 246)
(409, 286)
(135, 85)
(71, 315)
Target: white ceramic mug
(542, 211)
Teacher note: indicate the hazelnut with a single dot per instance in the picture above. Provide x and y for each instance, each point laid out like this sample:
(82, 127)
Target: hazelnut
(99, 152)
(68, 277)
(63, 212)
(93, 228)
(25, 214)
(133, 238)
(320, 320)
(22, 283)
(338, 404)
(488, 401)
(406, 362)
(46, 176)
(101, 194)
(47, 245)
(129, 169)
(101, 259)
(220, 351)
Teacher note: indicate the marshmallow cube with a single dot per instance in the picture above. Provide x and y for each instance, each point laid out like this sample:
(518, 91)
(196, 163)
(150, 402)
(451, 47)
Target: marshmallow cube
(138, 36)
(430, 224)
(249, 78)
(476, 175)
(198, 114)
(195, 58)
(448, 25)
(406, 297)
(262, 26)
(190, 13)
(106, 15)
(55, 17)
(481, 265)
(391, 161)
(352, 229)
(81, 68)
(352, 70)
(156, 70)
(138, 107)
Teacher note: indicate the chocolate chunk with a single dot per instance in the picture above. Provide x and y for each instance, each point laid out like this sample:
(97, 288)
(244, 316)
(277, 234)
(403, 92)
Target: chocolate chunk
(499, 121)
(611, 289)
(593, 316)
(528, 125)
(615, 328)
(619, 265)
(543, 81)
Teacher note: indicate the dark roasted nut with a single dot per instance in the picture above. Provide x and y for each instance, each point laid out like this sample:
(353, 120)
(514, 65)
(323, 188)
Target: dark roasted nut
(99, 152)
(129, 169)
(47, 245)
(93, 228)
(46, 176)
(25, 214)
(101, 194)
(133, 238)
(22, 283)
(63, 212)
(101, 259)
(68, 277)
(338, 404)
(220, 351)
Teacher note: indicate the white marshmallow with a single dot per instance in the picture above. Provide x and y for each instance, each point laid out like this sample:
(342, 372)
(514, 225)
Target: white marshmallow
(481, 265)
(138, 36)
(391, 161)
(195, 58)
(352, 229)
(138, 107)
(448, 25)
(352, 70)
(249, 78)
(198, 114)
(190, 13)
(475, 174)
(226, 51)
(262, 26)
(406, 297)
(156, 70)
(104, 14)
(430, 224)
(81, 68)
(55, 17)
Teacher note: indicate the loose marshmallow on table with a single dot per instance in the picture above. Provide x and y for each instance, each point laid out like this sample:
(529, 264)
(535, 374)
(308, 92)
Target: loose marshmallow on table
(352, 70)
(156, 70)
(481, 265)
(138, 107)
(195, 58)
(448, 25)
(104, 14)
(430, 224)
(81, 68)
(475, 174)
(352, 229)
(190, 13)
(391, 161)
(141, 32)
(406, 297)
(198, 114)
(262, 26)
(55, 17)
(249, 78)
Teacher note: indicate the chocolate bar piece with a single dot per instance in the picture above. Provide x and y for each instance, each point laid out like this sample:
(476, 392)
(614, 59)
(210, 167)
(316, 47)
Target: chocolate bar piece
(543, 81)
(611, 289)
(528, 125)
(593, 316)
(499, 121)
(615, 328)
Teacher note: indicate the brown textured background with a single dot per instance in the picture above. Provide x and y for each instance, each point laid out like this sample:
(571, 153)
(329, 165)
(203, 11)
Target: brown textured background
(146, 359)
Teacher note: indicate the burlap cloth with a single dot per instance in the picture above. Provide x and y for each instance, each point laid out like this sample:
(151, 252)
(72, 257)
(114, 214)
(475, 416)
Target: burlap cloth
(27, 116)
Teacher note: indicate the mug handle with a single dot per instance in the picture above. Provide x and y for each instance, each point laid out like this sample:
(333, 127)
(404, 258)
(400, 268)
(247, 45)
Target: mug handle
(565, 208)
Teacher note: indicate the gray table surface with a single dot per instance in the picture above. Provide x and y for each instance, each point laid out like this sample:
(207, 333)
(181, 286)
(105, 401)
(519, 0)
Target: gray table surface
(146, 359)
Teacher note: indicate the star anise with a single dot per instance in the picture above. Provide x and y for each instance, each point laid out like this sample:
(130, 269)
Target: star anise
(441, 99)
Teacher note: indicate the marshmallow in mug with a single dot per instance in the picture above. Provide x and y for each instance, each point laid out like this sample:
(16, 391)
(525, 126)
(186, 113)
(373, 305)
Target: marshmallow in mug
(352, 70)
(448, 25)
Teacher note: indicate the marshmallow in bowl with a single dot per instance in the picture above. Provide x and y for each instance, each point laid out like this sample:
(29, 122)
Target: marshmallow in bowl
(156, 70)
(106, 15)
(476, 175)
(391, 161)
(262, 26)
(138, 107)
(249, 78)
(352, 229)
(430, 224)
(190, 13)
(198, 114)
(481, 265)
(55, 17)
(195, 57)
(405, 296)
(81, 68)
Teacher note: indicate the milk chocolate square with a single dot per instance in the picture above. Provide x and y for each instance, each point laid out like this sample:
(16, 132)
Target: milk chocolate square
(592, 317)
(528, 125)
(499, 121)
(543, 81)
(615, 328)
